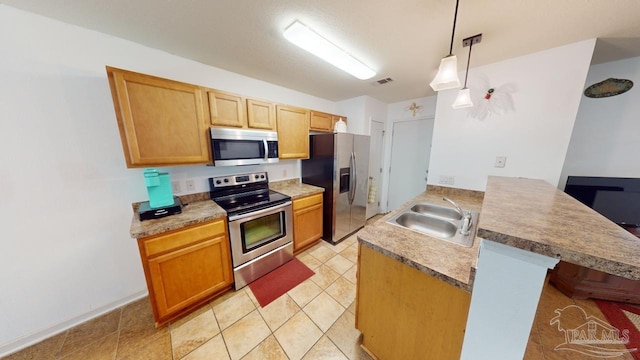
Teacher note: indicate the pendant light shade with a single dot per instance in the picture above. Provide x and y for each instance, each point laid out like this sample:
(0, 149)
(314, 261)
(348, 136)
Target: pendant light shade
(447, 77)
(463, 100)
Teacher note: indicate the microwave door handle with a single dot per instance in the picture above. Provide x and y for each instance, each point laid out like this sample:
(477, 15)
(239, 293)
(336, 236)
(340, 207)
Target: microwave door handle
(266, 149)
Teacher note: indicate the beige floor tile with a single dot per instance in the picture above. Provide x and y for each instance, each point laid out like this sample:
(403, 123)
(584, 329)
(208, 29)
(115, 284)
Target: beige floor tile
(212, 349)
(91, 331)
(343, 291)
(351, 253)
(245, 334)
(184, 319)
(137, 327)
(352, 308)
(352, 274)
(322, 252)
(269, 349)
(298, 335)
(233, 309)
(102, 349)
(339, 247)
(324, 349)
(311, 262)
(304, 292)
(279, 311)
(324, 276)
(339, 264)
(45, 350)
(157, 349)
(353, 239)
(197, 331)
(344, 334)
(251, 296)
(324, 311)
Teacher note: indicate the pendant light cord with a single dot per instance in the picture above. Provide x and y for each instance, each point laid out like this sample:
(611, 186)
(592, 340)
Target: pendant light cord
(468, 62)
(455, 17)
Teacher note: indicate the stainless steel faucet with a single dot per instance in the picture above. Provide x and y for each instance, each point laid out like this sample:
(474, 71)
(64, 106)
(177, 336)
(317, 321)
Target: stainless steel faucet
(455, 206)
(466, 218)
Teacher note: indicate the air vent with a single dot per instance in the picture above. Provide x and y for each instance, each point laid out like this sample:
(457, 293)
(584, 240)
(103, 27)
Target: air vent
(384, 81)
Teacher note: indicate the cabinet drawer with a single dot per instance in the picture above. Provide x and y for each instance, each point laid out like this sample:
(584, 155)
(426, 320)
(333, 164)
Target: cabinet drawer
(161, 244)
(307, 201)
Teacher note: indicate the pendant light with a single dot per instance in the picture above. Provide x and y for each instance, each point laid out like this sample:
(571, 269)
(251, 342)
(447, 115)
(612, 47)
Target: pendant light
(447, 77)
(464, 96)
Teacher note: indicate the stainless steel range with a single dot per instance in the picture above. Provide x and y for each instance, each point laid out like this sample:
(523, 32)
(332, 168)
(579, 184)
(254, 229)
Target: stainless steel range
(260, 224)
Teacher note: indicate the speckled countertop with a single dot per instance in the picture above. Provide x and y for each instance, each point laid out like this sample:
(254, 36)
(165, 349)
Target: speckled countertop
(449, 262)
(199, 208)
(535, 216)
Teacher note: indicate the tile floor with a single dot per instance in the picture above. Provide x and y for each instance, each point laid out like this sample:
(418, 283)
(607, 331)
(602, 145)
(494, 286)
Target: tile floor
(315, 320)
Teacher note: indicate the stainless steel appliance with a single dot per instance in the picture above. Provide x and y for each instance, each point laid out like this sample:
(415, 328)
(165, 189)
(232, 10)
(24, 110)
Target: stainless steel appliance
(340, 164)
(231, 147)
(260, 224)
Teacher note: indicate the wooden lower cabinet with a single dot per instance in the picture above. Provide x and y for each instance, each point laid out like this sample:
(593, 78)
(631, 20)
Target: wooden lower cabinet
(406, 314)
(186, 268)
(307, 221)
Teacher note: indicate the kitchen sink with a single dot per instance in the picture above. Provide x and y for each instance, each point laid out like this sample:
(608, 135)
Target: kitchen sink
(436, 210)
(436, 221)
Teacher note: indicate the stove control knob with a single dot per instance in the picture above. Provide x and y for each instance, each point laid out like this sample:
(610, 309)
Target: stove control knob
(262, 176)
(218, 182)
(257, 176)
(226, 180)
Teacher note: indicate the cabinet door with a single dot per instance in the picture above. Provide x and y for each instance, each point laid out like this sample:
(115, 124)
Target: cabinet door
(293, 132)
(226, 109)
(261, 114)
(183, 277)
(307, 221)
(161, 122)
(321, 121)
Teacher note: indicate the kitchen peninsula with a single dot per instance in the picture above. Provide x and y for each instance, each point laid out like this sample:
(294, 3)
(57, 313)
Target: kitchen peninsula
(526, 226)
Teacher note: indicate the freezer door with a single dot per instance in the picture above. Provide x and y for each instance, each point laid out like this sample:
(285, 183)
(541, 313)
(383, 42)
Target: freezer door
(342, 213)
(360, 182)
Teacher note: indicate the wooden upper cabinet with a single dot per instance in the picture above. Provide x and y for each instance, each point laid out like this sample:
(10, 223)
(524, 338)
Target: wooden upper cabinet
(161, 122)
(226, 109)
(293, 132)
(261, 114)
(321, 121)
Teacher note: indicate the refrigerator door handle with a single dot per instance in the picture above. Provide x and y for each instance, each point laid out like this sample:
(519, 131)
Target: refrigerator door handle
(352, 189)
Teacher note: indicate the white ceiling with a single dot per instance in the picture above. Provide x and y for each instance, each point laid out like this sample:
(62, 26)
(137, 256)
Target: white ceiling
(401, 39)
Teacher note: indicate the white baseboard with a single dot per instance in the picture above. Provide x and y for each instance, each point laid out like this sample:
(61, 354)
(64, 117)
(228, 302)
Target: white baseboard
(26, 341)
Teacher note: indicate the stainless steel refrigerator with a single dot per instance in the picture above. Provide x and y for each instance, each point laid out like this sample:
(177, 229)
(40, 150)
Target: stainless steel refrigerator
(339, 163)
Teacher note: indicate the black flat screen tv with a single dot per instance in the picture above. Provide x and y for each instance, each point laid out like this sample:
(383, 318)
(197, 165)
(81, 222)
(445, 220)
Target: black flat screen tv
(618, 199)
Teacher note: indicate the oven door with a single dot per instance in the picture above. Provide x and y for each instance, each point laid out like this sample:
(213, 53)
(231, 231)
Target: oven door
(256, 233)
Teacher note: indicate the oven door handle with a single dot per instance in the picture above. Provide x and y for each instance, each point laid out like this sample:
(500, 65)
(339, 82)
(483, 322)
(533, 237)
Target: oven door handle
(259, 212)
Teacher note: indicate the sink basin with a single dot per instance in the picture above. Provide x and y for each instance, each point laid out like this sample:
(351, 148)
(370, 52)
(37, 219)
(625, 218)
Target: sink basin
(441, 211)
(427, 224)
(436, 221)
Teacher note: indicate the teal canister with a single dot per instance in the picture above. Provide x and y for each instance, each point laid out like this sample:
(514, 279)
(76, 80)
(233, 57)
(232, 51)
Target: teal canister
(159, 188)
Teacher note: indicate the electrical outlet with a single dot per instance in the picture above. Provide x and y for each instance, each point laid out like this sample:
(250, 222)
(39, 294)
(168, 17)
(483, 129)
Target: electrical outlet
(501, 161)
(191, 185)
(175, 186)
(446, 179)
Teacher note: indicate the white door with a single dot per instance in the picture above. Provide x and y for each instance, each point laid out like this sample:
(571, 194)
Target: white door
(375, 168)
(410, 151)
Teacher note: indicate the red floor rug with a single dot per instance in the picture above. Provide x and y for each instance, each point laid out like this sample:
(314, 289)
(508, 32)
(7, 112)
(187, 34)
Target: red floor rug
(284, 278)
(624, 316)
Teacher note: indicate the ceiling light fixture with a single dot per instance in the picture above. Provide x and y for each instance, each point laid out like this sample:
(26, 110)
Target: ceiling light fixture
(309, 40)
(463, 100)
(447, 77)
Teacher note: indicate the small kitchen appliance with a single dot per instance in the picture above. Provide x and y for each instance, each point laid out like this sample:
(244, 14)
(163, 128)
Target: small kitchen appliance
(161, 200)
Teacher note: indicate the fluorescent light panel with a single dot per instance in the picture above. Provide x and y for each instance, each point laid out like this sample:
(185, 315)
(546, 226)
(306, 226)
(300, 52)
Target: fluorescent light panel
(309, 40)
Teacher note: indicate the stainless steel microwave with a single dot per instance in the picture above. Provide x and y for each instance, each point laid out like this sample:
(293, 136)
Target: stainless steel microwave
(231, 147)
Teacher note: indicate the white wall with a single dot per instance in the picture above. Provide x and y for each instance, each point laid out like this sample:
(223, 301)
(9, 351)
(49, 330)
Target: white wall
(66, 252)
(534, 137)
(605, 139)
